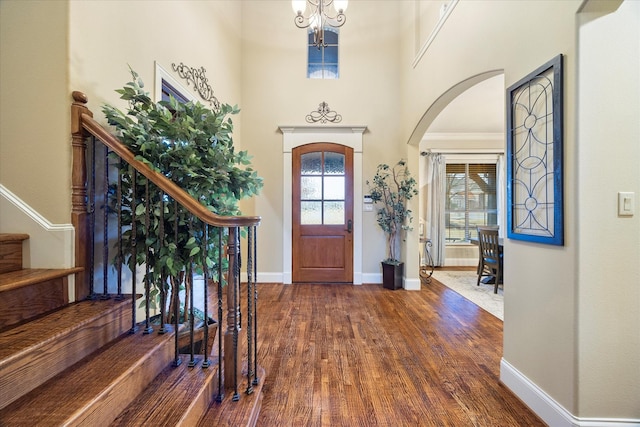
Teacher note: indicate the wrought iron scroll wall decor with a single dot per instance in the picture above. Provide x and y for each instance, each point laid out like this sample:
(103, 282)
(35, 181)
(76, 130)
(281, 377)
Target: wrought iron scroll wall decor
(535, 156)
(200, 82)
(323, 115)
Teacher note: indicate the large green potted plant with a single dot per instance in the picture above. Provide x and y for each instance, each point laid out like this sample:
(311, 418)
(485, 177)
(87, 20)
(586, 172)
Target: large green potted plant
(193, 146)
(391, 188)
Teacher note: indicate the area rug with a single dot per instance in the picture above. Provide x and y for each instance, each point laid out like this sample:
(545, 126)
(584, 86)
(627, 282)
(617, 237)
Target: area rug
(464, 283)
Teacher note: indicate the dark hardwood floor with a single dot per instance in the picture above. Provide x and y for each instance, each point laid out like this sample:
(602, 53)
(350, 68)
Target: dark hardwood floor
(343, 355)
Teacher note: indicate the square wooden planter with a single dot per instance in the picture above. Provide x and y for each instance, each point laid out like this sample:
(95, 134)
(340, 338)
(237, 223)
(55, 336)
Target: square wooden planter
(392, 275)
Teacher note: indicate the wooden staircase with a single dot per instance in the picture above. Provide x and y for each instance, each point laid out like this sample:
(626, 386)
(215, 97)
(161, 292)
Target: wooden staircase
(77, 364)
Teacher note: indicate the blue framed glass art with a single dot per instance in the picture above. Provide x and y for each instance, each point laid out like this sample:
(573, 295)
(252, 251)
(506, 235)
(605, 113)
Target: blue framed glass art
(534, 156)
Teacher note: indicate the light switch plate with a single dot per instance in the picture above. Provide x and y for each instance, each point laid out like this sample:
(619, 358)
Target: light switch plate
(626, 203)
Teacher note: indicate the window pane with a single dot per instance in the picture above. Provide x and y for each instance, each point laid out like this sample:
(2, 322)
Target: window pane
(455, 225)
(471, 199)
(316, 71)
(331, 55)
(331, 71)
(310, 213)
(315, 55)
(311, 163)
(334, 213)
(323, 63)
(333, 163)
(330, 36)
(334, 187)
(310, 188)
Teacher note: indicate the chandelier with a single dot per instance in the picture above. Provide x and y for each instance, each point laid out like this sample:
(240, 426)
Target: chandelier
(320, 13)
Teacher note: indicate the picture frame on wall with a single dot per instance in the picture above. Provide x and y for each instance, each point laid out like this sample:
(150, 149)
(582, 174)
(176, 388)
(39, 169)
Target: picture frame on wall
(535, 156)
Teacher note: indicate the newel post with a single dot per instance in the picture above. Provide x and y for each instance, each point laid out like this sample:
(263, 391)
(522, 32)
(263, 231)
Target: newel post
(79, 217)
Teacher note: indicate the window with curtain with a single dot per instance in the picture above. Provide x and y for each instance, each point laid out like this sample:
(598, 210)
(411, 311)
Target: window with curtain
(471, 199)
(323, 61)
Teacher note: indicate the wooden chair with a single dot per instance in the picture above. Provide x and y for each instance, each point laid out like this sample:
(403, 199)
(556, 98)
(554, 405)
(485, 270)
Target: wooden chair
(490, 256)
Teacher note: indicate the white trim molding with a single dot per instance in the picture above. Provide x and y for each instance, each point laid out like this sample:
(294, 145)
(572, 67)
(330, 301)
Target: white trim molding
(49, 245)
(445, 13)
(162, 74)
(295, 136)
(550, 411)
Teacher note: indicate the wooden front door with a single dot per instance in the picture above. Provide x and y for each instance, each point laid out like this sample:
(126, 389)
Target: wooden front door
(322, 214)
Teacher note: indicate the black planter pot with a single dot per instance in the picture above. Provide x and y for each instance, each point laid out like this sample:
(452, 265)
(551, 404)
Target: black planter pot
(392, 275)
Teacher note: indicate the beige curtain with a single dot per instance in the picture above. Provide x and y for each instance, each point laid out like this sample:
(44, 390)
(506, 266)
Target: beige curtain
(435, 205)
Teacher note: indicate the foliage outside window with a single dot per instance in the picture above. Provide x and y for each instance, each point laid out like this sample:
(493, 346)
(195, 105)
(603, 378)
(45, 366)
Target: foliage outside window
(471, 200)
(323, 60)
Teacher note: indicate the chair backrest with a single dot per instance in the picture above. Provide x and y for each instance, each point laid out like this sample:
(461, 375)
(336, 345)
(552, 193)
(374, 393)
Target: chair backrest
(489, 243)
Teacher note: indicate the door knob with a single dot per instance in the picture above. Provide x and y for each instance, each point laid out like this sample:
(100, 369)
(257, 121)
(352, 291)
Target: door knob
(349, 226)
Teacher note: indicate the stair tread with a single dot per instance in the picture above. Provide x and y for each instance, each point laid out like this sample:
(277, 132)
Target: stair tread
(241, 413)
(13, 237)
(168, 398)
(28, 276)
(15, 341)
(70, 394)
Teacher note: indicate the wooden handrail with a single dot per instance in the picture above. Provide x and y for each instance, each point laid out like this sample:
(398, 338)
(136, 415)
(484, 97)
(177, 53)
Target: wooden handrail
(87, 122)
(84, 221)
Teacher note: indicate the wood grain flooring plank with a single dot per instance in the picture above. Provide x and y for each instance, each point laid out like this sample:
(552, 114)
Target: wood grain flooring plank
(343, 355)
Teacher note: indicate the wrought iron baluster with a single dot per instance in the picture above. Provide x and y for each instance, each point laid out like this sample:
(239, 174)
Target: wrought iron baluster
(120, 255)
(163, 277)
(132, 263)
(175, 289)
(105, 225)
(91, 200)
(205, 269)
(220, 313)
(189, 287)
(147, 282)
(249, 312)
(256, 380)
(233, 316)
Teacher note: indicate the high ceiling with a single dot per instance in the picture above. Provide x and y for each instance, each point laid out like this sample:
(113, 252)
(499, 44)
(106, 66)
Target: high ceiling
(478, 110)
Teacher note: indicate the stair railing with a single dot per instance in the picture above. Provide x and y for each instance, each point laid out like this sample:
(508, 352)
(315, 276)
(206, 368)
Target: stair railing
(92, 148)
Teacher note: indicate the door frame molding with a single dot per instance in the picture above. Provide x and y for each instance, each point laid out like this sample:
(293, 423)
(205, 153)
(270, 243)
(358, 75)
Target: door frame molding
(295, 136)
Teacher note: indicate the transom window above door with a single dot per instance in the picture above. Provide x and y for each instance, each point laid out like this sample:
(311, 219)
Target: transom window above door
(322, 188)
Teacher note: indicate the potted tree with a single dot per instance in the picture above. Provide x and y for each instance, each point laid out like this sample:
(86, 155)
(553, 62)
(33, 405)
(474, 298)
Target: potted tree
(193, 146)
(391, 188)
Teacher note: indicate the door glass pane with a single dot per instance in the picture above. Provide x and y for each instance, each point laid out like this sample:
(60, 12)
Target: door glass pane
(334, 187)
(334, 212)
(310, 213)
(311, 163)
(333, 163)
(311, 188)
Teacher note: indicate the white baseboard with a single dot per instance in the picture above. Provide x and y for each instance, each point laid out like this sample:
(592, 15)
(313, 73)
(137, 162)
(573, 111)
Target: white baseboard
(412, 284)
(372, 278)
(461, 262)
(550, 411)
(265, 277)
(276, 277)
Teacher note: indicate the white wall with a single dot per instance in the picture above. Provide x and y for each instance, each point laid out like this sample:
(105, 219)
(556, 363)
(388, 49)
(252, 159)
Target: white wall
(556, 358)
(276, 92)
(108, 36)
(35, 147)
(608, 284)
